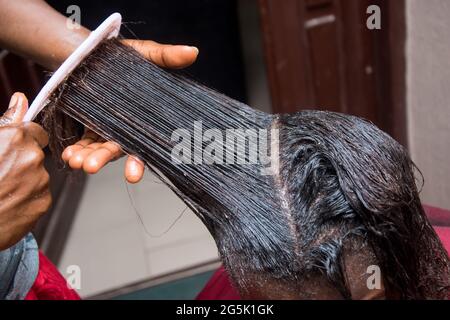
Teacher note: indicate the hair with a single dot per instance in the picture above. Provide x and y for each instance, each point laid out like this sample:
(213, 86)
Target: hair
(340, 187)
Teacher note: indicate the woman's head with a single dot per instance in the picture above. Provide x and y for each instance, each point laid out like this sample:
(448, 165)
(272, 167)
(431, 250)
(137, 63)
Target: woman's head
(348, 191)
(342, 197)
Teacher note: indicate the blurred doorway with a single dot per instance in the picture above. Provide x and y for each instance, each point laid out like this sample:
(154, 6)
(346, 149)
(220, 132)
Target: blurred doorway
(321, 55)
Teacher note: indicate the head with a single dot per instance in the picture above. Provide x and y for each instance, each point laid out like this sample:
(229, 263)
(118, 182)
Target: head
(342, 197)
(348, 193)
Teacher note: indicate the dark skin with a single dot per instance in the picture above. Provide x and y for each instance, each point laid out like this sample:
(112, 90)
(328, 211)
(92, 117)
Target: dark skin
(316, 287)
(22, 160)
(33, 29)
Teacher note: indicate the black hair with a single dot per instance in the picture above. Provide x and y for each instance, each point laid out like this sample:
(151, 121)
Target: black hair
(338, 186)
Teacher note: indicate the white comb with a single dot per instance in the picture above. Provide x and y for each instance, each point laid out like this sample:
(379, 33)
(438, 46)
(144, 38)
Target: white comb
(107, 30)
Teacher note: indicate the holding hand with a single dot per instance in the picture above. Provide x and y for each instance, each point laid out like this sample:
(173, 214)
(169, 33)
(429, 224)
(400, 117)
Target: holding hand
(25, 194)
(92, 153)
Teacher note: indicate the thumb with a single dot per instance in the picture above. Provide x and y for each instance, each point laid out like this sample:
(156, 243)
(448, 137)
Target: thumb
(17, 108)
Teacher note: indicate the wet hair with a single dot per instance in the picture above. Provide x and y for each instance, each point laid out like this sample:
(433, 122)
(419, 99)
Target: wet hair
(339, 187)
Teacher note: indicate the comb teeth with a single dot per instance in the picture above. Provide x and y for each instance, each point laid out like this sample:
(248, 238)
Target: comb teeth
(108, 29)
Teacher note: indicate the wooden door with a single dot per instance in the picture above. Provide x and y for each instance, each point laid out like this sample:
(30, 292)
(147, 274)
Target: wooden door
(321, 55)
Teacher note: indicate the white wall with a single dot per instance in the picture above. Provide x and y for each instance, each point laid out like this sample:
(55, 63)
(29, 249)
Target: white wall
(428, 95)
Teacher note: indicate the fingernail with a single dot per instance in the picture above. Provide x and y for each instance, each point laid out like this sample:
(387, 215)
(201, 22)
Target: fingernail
(133, 168)
(190, 48)
(13, 101)
(19, 100)
(194, 48)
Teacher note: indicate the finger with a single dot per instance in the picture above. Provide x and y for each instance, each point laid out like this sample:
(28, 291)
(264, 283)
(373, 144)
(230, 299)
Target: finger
(17, 108)
(134, 169)
(107, 152)
(77, 159)
(37, 133)
(88, 138)
(70, 151)
(167, 56)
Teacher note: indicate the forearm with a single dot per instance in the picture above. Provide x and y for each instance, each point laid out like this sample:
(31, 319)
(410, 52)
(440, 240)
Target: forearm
(33, 29)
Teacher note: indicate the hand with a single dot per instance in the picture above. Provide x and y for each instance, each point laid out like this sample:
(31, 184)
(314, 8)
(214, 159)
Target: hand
(24, 192)
(92, 153)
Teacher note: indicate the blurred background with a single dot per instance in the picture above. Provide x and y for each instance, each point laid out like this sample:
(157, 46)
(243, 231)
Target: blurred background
(139, 241)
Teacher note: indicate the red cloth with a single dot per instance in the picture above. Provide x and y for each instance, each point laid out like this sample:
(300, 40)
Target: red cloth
(440, 219)
(50, 284)
(437, 216)
(219, 286)
(444, 235)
